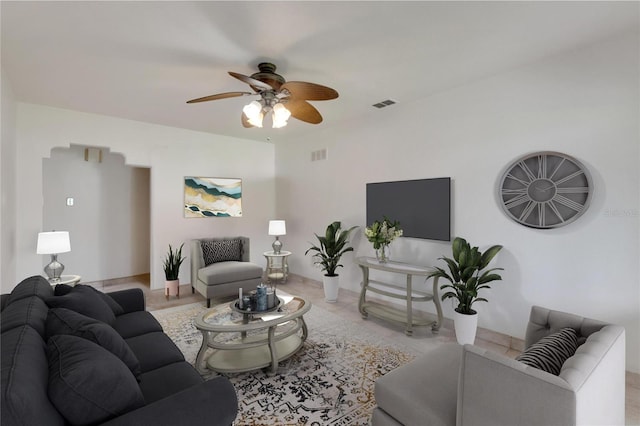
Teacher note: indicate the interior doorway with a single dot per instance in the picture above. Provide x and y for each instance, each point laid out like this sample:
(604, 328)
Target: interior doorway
(105, 205)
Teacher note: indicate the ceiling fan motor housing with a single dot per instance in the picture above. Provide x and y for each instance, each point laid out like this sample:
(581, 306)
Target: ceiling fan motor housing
(267, 74)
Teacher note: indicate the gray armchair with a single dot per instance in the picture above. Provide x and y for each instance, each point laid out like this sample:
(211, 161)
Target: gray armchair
(220, 266)
(469, 385)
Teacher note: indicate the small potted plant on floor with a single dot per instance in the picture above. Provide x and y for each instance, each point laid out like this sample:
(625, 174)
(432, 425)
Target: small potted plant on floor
(171, 268)
(466, 278)
(333, 244)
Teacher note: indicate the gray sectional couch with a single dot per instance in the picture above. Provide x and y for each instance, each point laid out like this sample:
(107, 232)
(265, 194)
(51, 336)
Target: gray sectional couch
(82, 357)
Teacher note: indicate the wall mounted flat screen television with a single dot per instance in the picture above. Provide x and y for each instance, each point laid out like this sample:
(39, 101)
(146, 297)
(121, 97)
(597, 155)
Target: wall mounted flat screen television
(423, 206)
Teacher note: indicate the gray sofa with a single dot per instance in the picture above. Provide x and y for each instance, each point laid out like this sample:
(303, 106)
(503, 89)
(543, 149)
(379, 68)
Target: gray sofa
(221, 266)
(83, 357)
(468, 385)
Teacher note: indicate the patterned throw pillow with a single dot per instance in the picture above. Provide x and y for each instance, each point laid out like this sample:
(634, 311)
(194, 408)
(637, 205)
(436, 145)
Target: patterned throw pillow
(220, 251)
(549, 353)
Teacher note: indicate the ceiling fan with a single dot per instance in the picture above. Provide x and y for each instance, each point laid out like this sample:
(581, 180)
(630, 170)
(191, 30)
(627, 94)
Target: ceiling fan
(281, 98)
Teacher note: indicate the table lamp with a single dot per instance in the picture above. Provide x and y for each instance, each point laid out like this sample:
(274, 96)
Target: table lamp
(53, 243)
(277, 228)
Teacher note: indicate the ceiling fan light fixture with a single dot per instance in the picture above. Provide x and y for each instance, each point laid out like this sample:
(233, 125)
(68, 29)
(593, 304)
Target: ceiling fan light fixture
(280, 116)
(254, 113)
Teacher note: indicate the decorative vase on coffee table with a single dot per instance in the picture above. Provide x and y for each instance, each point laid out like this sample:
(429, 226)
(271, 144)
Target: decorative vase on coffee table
(465, 326)
(331, 285)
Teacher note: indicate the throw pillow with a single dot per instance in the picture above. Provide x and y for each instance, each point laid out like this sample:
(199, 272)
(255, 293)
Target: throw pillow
(65, 321)
(115, 306)
(549, 353)
(220, 251)
(86, 301)
(62, 289)
(88, 384)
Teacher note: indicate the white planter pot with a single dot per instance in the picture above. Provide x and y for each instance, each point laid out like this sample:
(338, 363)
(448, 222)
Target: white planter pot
(465, 326)
(331, 285)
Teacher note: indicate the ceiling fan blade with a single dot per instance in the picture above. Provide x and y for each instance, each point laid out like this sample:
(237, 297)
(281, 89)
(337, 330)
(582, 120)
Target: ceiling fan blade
(257, 84)
(309, 91)
(219, 96)
(303, 110)
(245, 121)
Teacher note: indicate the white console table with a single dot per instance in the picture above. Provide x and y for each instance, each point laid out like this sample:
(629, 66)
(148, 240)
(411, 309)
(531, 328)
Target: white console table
(407, 293)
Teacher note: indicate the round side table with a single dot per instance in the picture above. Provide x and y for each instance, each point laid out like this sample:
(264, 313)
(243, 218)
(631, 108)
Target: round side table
(66, 279)
(277, 267)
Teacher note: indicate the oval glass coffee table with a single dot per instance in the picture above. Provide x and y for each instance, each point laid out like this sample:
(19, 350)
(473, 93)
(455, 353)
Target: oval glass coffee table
(250, 341)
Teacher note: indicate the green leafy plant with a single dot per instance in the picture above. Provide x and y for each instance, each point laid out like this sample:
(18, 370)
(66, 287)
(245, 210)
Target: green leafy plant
(332, 246)
(465, 275)
(172, 263)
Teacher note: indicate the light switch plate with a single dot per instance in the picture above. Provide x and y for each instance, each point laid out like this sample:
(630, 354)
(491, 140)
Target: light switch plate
(69, 201)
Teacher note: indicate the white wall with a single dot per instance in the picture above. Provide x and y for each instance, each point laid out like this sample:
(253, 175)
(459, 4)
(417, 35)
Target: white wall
(583, 103)
(8, 185)
(109, 221)
(171, 154)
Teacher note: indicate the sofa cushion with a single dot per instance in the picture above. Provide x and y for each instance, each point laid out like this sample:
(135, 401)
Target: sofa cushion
(154, 350)
(549, 353)
(220, 251)
(62, 289)
(227, 272)
(29, 310)
(36, 285)
(168, 380)
(87, 383)
(65, 321)
(25, 373)
(85, 300)
(402, 392)
(135, 324)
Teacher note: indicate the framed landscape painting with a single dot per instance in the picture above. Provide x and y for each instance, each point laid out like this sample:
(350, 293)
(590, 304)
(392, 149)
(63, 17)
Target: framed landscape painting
(212, 197)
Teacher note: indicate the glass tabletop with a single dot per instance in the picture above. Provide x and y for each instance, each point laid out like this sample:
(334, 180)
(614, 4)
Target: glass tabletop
(223, 318)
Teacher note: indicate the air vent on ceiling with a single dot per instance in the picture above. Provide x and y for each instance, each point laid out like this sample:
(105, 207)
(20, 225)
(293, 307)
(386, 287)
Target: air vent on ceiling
(384, 103)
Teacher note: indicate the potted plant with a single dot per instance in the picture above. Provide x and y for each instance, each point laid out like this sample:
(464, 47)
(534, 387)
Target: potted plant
(171, 268)
(381, 234)
(331, 248)
(467, 276)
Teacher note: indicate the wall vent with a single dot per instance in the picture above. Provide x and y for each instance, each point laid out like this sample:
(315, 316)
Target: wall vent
(319, 155)
(384, 103)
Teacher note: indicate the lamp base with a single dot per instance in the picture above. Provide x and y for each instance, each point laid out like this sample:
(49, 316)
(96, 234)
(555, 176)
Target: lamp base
(277, 245)
(54, 269)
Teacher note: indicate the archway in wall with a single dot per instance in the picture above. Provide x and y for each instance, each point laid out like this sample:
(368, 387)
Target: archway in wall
(104, 204)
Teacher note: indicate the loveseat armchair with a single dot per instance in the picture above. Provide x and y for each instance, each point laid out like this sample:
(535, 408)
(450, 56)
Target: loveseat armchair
(469, 385)
(221, 266)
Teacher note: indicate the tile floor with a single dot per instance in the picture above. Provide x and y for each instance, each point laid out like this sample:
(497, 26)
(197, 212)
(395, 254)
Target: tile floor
(347, 307)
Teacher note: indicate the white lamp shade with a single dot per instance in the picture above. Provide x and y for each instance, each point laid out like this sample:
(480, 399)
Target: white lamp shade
(254, 113)
(53, 242)
(277, 227)
(280, 116)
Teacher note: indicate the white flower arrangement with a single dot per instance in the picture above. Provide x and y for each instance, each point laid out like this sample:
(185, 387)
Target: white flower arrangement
(382, 233)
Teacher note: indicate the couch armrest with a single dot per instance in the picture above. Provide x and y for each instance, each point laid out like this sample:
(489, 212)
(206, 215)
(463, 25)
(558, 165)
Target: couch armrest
(131, 300)
(495, 390)
(3, 300)
(196, 260)
(212, 403)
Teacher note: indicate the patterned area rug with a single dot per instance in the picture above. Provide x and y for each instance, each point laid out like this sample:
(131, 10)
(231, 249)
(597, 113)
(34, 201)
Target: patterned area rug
(330, 381)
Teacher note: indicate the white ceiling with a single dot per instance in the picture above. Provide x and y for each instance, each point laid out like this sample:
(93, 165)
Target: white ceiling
(143, 60)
